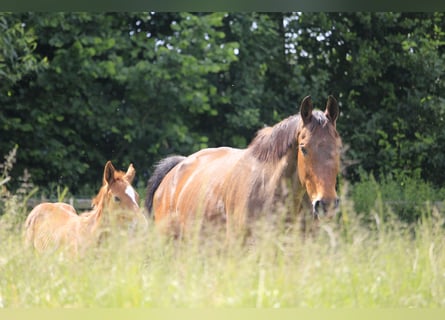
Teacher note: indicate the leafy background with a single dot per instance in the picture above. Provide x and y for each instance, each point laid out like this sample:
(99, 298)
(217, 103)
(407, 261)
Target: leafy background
(78, 89)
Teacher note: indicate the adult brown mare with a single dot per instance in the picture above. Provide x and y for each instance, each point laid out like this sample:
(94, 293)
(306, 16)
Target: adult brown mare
(298, 158)
(53, 225)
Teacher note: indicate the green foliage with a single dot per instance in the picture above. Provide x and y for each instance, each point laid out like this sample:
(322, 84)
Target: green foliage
(119, 87)
(387, 70)
(16, 59)
(256, 83)
(404, 196)
(78, 89)
(13, 206)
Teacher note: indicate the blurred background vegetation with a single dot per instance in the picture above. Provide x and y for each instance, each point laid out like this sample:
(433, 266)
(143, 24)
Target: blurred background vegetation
(78, 89)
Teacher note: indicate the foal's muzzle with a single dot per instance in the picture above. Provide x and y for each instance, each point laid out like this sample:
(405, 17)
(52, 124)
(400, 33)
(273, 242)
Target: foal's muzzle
(324, 208)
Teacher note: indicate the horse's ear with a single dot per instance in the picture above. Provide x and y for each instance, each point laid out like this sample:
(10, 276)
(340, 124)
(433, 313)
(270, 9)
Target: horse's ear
(109, 173)
(131, 172)
(332, 110)
(306, 109)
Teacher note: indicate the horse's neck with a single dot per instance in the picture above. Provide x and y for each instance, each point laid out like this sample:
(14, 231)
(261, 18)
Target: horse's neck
(290, 164)
(94, 217)
(286, 175)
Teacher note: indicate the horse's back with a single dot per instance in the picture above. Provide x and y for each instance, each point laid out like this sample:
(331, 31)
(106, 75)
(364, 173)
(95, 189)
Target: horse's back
(56, 211)
(43, 221)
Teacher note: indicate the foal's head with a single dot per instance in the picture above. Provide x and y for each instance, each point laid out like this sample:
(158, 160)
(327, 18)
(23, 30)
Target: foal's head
(117, 193)
(319, 147)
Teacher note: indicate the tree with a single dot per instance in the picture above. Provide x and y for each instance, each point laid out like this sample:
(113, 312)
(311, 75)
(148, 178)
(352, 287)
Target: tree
(78, 89)
(386, 69)
(255, 100)
(16, 56)
(116, 87)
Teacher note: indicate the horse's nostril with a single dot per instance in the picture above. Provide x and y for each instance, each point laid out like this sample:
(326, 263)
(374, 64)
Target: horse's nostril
(337, 202)
(321, 207)
(317, 205)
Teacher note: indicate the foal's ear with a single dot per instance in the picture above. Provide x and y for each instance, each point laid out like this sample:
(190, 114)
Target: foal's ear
(306, 109)
(131, 172)
(332, 110)
(109, 173)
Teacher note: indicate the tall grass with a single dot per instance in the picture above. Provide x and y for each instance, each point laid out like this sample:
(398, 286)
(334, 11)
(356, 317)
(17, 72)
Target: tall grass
(380, 265)
(356, 260)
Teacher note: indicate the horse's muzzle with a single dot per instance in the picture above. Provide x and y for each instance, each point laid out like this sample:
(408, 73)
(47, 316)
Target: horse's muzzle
(323, 208)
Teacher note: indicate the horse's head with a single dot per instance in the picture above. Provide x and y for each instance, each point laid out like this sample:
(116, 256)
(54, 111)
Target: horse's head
(120, 193)
(119, 196)
(319, 147)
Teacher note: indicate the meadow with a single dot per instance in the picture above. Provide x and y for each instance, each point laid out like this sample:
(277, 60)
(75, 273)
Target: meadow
(350, 262)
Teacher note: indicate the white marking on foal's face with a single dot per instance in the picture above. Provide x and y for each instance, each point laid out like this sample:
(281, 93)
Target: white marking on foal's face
(131, 193)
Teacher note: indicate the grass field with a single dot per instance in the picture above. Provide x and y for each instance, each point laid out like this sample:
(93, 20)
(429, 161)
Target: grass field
(348, 264)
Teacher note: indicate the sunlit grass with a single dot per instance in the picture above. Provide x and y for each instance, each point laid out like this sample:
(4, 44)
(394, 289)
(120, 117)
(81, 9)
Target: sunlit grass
(347, 264)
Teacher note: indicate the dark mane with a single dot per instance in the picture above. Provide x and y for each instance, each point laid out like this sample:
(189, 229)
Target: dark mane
(272, 143)
(161, 169)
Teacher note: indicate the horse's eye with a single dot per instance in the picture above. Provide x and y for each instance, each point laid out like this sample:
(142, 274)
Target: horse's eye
(303, 150)
(117, 199)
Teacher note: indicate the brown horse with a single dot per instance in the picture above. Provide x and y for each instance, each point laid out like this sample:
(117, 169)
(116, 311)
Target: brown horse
(53, 225)
(297, 159)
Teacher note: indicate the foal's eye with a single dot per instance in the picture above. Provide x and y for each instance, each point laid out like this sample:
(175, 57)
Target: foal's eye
(117, 199)
(303, 150)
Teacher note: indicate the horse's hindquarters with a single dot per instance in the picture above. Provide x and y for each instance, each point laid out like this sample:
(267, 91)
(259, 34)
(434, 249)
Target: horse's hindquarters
(50, 225)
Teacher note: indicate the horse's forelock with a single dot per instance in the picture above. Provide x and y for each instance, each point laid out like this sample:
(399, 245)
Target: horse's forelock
(320, 119)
